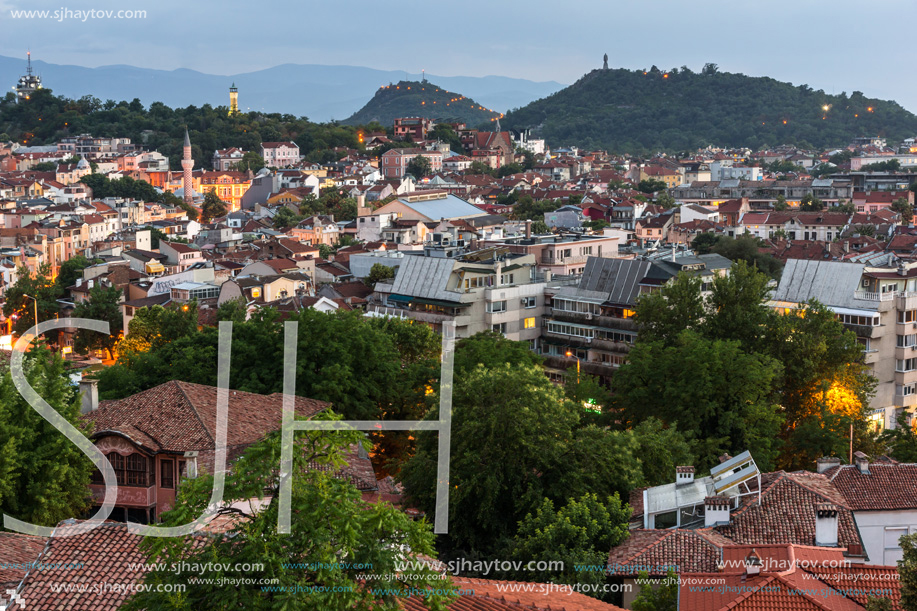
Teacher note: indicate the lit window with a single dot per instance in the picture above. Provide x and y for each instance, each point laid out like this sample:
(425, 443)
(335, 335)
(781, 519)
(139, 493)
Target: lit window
(529, 323)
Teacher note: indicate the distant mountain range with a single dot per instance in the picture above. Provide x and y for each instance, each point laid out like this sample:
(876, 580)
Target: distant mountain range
(321, 93)
(422, 99)
(630, 111)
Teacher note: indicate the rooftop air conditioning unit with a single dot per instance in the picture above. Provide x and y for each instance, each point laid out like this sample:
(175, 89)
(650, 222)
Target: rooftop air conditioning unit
(588, 316)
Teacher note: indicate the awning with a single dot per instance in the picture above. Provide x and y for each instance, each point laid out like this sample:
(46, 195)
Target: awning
(155, 267)
(400, 298)
(852, 312)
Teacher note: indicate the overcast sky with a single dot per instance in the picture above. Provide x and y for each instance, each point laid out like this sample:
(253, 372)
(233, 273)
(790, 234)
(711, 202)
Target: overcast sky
(836, 46)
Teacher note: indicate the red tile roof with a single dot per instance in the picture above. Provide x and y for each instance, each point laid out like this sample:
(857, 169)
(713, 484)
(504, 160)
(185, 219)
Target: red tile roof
(16, 552)
(180, 416)
(492, 595)
(887, 487)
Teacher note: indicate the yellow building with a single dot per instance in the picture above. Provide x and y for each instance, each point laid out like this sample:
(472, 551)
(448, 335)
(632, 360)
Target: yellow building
(230, 185)
(671, 178)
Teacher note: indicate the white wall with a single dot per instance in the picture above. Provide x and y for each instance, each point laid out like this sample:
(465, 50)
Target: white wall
(880, 531)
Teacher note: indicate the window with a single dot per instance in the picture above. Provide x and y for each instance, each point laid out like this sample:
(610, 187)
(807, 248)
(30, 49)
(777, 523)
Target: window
(129, 470)
(167, 475)
(849, 319)
(496, 307)
(499, 328)
(905, 390)
(906, 341)
(529, 323)
(902, 365)
(907, 316)
(529, 302)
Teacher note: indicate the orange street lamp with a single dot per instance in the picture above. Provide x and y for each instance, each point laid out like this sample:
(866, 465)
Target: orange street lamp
(571, 355)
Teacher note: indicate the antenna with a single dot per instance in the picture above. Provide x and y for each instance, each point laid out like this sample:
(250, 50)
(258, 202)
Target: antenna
(28, 69)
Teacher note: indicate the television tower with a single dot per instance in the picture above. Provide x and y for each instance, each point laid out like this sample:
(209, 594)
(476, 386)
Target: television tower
(28, 83)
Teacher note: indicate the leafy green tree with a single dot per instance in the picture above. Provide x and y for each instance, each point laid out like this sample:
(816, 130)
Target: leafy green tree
(866, 230)
(250, 161)
(515, 441)
(418, 167)
(325, 251)
(103, 304)
(44, 478)
(879, 604)
(907, 571)
(665, 200)
(491, 349)
(780, 203)
(703, 243)
(579, 534)
(657, 596)
(379, 273)
(539, 227)
(809, 203)
(285, 218)
(45, 166)
(723, 397)
(233, 310)
(39, 286)
(651, 185)
(661, 450)
(479, 167)
(330, 523)
(663, 314)
(904, 208)
(213, 207)
(736, 306)
(155, 326)
(745, 248)
(901, 441)
(71, 270)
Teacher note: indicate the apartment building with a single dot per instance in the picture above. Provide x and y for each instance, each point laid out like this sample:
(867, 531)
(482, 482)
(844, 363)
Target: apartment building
(493, 289)
(879, 304)
(590, 325)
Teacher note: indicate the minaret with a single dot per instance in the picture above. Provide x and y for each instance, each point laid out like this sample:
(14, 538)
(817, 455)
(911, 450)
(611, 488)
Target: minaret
(233, 100)
(186, 164)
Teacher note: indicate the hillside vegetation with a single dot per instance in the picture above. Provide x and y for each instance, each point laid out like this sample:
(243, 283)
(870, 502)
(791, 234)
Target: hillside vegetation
(46, 118)
(636, 111)
(416, 99)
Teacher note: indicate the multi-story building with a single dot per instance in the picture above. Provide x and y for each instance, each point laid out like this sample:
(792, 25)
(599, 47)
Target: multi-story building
(879, 304)
(590, 325)
(395, 162)
(226, 159)
(831, 191)
(280, 154)
(414, 127)
(487, 290)
(561, 255)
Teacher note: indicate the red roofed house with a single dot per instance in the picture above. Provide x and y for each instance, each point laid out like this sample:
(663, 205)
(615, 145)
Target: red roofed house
(159, 435)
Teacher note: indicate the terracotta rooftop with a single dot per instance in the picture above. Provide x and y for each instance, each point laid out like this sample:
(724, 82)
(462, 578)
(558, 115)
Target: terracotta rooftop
(181, 416)
(888, 486)
(492, 595)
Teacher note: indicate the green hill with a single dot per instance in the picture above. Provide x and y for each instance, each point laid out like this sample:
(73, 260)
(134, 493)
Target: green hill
(416, 99)
(636, 111)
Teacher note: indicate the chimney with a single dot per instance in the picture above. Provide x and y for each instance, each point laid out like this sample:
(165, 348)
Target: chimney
(684, 475)
(862, 462)
(826, 462)
(89, 395)
(826, 524)
(723, 458)
(902, 270)
(716, 510)
(752, 563)
(528, 229)
(547, 275)
(846, 245)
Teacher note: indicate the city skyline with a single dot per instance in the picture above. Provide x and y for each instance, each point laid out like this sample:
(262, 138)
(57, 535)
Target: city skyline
(506, 40)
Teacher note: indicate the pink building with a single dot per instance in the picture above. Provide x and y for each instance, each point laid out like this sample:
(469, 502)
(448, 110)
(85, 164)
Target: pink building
(280, 154)
(395, 161)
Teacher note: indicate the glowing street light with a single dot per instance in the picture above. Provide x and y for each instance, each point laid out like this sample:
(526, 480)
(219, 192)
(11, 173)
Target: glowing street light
(36, 310)
(571, 355)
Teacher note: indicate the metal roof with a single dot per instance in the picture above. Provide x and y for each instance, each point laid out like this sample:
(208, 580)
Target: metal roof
(449, 207)
(425, 277)
(832, 283)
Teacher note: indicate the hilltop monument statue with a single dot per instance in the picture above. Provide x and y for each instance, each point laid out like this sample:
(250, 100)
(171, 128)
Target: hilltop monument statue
(605, 65)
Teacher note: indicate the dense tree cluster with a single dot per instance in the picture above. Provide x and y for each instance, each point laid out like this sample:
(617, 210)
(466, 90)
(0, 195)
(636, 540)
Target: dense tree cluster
(47, 118)
(639, 111)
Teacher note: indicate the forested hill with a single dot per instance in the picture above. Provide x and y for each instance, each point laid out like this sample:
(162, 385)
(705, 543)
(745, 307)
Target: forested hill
(417, 99)
(636, 111)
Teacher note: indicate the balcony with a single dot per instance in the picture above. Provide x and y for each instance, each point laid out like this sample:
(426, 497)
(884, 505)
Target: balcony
(905, 352)
(905, 377)
(867, 330)
(607, 322)
(564, 260)
(907, 301)
(905, 400)
(870, 357)
(593, 368)
(128, 496)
